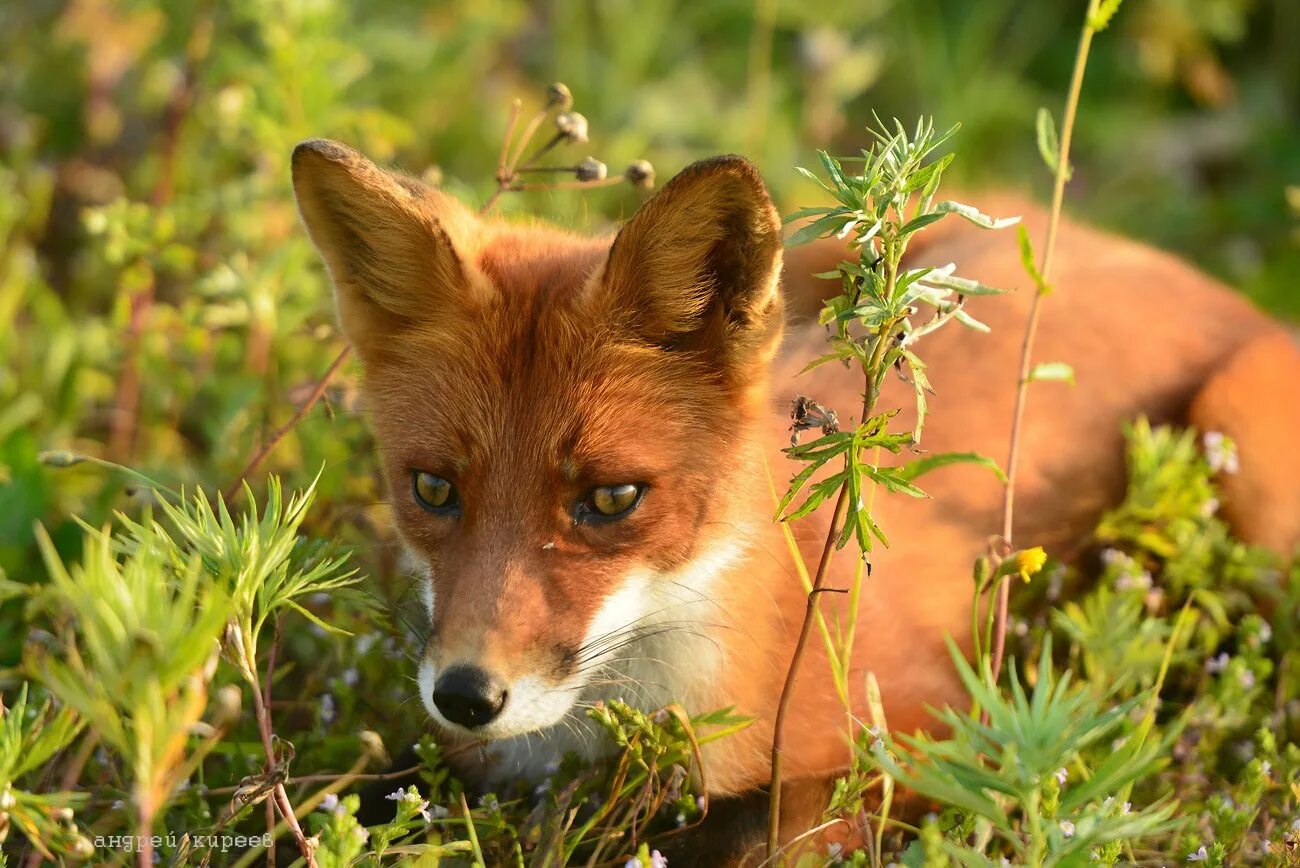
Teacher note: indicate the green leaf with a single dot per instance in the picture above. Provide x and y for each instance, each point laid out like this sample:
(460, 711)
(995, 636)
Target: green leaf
(1027, 261)
(820, 227)
(1049, 146)
(1106, 10)
(922, 466)
(1055, 371)
(975, 216)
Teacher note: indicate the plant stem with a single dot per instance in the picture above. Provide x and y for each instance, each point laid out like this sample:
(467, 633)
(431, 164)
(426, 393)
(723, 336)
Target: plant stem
(871, 393)
(280, 796)
(1031, 327)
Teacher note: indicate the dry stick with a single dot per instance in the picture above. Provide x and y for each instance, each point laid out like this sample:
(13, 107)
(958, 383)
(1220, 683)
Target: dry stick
(280, 433)
(1031, 327)
(126, 405)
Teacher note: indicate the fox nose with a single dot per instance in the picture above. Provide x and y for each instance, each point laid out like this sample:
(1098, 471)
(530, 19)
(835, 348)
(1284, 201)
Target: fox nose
(468, 696)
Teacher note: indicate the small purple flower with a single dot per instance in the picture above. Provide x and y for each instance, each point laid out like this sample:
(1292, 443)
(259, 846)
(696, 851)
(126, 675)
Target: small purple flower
(1067, 828)
(1200, 855)
(1215, 665)
(1062, 776)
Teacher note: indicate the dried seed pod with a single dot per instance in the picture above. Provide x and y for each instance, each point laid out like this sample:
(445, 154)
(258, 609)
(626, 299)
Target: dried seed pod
(590, 169)
(572, 127)
(559, 97)
(641, 174)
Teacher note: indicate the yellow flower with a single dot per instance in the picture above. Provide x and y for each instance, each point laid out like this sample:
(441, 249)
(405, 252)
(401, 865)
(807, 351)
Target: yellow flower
(1029, 561)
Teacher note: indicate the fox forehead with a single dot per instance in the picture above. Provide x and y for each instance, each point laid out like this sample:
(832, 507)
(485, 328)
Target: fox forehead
(534, 375)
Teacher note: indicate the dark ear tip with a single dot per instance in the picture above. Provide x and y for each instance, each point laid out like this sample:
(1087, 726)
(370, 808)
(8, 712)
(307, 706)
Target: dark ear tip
(323, 149)
(731, 166)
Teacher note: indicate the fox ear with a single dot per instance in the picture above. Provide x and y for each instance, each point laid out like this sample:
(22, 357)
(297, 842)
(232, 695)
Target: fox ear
(387, 241)
(697, 266)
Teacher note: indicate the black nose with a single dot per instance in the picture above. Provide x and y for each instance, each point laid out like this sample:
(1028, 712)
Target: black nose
(468, 696)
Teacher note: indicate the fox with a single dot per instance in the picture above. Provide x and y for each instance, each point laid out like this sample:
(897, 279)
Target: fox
(577, 433)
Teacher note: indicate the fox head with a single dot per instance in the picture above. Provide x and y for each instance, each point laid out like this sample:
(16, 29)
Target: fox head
(565, 422)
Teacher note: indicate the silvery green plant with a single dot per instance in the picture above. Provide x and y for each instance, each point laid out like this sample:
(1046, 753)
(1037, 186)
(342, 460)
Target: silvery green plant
(1023, 781)
(884, 308)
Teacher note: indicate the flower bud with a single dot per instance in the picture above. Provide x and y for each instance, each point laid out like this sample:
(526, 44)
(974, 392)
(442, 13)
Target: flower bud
(572, 127)
(559, 97)
(225, 705)
(590, 169)
(641, 174)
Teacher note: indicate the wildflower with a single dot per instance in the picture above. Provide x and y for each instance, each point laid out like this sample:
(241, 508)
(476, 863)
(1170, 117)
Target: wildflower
(1111, 557)
(590, 169)
(1215, 665)
(1210, 507)
(559, 96)
(1127, 580)
(1062, 776)
(1200, 855)
(640, 174)
(1067, 828)
(327, 708)
(350, 676)
(680, 819)
(572, 127)
(1220, 452)
(362, 833)
(1028, 562)
(330, 804)
(1247, 679)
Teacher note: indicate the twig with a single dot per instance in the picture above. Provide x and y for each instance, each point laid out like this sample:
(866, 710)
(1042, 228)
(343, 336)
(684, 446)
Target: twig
(1031, 327)
(126, 406)
(273, 441)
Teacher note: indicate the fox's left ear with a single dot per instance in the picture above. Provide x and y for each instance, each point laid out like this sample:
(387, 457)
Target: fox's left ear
(697, 266)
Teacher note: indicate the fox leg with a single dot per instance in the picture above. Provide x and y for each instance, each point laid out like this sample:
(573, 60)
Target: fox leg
(1255, 399)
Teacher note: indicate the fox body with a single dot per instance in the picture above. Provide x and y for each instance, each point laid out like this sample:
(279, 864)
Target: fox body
(575, 432)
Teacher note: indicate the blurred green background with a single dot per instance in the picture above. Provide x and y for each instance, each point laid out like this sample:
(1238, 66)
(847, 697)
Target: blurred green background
(160, 307)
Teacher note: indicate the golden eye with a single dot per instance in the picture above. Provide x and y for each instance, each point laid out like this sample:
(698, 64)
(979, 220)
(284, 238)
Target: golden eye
(433, 492)
(611, 501)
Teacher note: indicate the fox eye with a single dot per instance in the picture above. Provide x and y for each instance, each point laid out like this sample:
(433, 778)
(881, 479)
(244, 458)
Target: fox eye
(610, 502)
(434, 493)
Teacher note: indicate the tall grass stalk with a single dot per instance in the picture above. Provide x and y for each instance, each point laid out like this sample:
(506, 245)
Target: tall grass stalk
(871, 326)
(1097, 18)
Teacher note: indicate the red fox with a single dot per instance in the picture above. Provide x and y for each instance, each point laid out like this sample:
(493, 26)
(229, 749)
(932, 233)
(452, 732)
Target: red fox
(574, 431)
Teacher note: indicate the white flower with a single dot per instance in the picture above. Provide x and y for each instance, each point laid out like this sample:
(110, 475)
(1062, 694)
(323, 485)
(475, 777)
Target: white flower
(331, 804)
(1215, 665)
(680, 819)
(1210, 507)
(1062, 776)
(658, 860)
(632, 863)
(327, 708)
(1247, 678)
(1067, 828)
(1200, 855)
(1220, 452)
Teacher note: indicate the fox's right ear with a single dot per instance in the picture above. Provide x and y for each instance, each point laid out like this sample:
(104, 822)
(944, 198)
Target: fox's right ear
(389, 242)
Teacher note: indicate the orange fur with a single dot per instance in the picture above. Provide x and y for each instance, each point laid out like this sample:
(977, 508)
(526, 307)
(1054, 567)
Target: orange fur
(529, 364)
